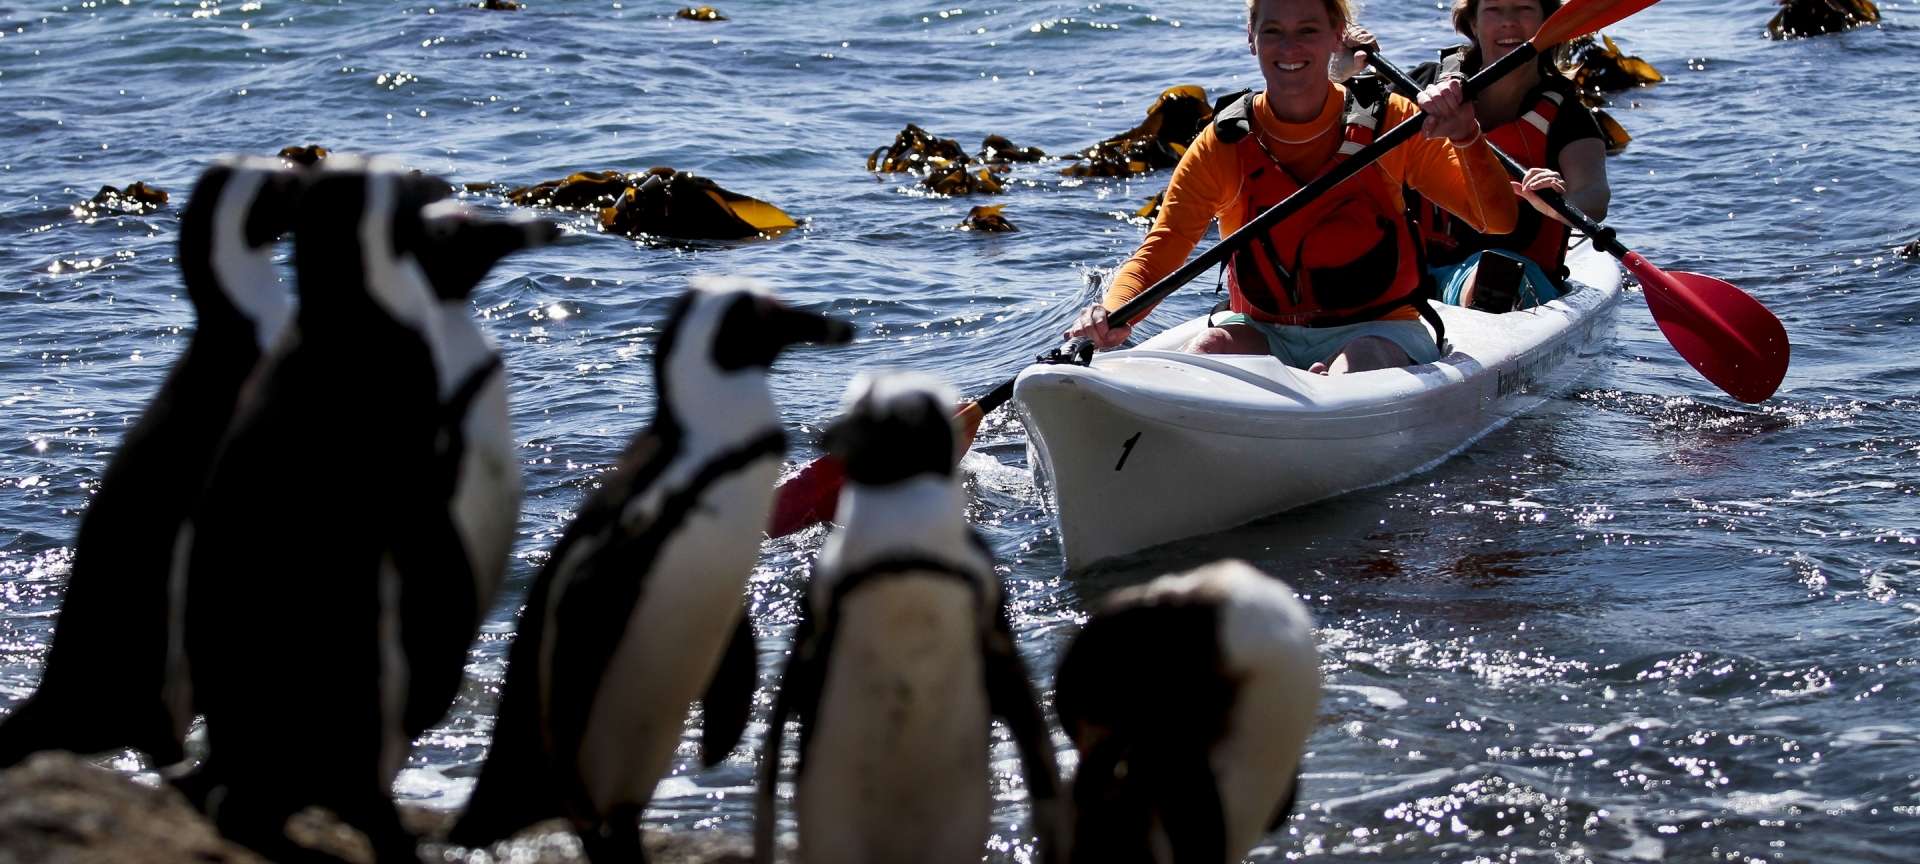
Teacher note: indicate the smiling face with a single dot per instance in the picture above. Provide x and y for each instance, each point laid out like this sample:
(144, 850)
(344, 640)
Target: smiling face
(1293, 40)
(1499, 26)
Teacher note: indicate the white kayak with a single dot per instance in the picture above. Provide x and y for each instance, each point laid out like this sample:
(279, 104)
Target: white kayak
(1149, 445)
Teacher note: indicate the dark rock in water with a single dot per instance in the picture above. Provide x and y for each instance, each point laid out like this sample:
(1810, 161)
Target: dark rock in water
(956, 179)
(1911, 250)
(1814, 17)
(986, 217)
(996, 148)
(582, 190)
(308, 155)
(499, 5)
(59, 807)
(701, 13)
(1158, 142)
(138, 199)
(1616, 134)
(918, 151)
(1599, 66)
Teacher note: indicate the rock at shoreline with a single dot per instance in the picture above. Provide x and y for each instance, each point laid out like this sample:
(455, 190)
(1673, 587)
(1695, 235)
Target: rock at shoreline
(58, 808)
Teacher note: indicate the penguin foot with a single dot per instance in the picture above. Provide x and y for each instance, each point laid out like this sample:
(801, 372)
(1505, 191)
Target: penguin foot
(616, 840)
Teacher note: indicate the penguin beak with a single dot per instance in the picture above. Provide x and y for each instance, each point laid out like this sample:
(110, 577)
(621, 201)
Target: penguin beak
(794, 326)
(460, 249)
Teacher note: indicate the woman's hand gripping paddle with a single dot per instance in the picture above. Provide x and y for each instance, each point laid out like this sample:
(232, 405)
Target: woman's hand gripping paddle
(1729, 337)
(811, 495)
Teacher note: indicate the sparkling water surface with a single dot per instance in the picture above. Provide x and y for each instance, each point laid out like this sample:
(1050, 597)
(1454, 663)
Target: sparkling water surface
(1643, 622)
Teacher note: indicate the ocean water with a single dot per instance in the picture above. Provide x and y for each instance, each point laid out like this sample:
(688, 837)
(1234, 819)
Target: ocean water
(1643, 622)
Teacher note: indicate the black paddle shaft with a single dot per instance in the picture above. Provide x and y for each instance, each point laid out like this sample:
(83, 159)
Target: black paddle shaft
(1602, 236)
(1080, 349)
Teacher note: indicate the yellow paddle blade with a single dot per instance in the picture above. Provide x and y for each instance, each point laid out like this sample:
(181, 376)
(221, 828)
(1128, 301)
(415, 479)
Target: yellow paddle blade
(1581, 17)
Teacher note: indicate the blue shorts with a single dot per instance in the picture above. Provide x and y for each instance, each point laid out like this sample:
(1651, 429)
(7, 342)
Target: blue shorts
(1535, 288)
(1301, 347)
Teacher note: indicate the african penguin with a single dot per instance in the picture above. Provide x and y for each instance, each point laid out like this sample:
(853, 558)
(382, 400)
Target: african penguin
(639, 610)
(295, 642)
(903, 656)
(102, 687)
(1190, 699)
(461, 565)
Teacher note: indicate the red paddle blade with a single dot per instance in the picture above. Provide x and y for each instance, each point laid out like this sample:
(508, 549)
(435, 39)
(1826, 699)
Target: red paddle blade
(1728, 337)
(807, 497)
(813, 494)
(1581, 17)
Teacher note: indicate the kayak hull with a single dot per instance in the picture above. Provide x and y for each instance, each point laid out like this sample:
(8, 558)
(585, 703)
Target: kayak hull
(1148, 445)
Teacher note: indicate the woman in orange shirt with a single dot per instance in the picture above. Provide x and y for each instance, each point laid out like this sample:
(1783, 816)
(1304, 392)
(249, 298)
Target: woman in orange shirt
(1340, 286)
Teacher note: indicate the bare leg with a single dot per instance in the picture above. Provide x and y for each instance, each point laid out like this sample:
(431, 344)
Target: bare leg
(1227, 339)
(1364, 354)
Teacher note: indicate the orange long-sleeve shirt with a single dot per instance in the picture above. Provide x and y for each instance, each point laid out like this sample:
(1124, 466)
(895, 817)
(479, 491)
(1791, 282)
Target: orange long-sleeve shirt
(1206, 185)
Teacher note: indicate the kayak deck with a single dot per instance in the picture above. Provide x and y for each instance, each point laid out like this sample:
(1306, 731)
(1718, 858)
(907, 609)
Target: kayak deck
(1149, 445)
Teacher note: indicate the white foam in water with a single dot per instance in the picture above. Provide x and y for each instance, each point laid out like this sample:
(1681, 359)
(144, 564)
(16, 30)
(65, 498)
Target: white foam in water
(1378, 697)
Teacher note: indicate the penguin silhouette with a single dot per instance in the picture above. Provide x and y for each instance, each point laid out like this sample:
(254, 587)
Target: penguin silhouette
(1189, 699)
(292, 578)
(639, 610)
(102, 688)
(452, 567)
(903, 657)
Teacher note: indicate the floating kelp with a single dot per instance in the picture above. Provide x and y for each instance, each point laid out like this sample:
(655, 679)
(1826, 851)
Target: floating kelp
(1814, 17)
(303, 156)
(1151, 210)
(916, 150)
(1599, 66)
(659, 202)
(499, 5)
(700, 13)
(1911, 250)
(138, 199)
(986, 217)
(996, 148)
(584, 190)
(958, 180)
(1158, 142)
(1616, 134)
(669, 203)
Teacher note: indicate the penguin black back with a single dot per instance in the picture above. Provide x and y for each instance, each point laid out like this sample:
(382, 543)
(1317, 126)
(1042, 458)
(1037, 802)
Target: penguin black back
(106, 670)
(292, 585)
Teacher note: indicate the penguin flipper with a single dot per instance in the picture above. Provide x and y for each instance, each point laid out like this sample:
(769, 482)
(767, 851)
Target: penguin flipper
(729, 696)
(1190, 808)
(1010, 697)
(1285, 809)
(798, 698)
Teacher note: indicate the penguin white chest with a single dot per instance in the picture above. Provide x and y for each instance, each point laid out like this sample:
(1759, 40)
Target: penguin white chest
(896, 767)
(676, 633)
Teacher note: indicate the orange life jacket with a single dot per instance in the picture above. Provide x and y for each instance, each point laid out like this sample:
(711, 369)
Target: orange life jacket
(1543, 240)
(1349, 256)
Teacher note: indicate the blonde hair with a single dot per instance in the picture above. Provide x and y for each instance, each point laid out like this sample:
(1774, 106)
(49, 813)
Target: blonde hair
(1339, 12)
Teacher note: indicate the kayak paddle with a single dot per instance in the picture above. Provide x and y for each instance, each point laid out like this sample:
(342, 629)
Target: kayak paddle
(1729, 337)
(811, 495)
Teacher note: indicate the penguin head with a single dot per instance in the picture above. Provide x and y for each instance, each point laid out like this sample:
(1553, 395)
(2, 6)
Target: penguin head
(723, 334)
(894, 427)
(736, 324)
(236, 211)
(357, 235)
(458, 247)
